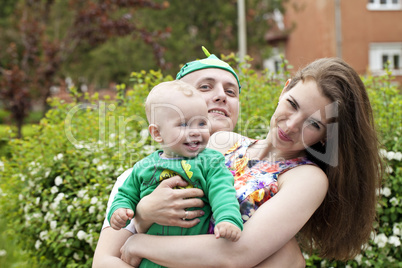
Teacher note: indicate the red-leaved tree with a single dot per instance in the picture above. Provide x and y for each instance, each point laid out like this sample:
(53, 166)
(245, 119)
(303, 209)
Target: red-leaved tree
(35, 58)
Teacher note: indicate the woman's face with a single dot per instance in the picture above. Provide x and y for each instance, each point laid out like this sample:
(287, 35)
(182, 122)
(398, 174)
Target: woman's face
(220, 91)
(300, 120)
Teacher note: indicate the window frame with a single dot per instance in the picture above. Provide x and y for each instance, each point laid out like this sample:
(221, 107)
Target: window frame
(377, 53)
(376, 5)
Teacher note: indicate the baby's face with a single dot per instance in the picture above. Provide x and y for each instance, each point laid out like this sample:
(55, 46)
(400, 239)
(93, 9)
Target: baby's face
(183, 126)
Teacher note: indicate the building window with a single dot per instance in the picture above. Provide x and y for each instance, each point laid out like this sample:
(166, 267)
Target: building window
(384, 5)
(274, 62)
(385, 54)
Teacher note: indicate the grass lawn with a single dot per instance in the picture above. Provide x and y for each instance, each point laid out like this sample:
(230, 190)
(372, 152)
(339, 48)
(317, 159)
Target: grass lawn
(27, 130)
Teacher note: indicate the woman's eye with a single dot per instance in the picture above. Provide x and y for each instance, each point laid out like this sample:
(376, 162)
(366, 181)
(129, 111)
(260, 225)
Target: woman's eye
(315, 124)
(292, 103)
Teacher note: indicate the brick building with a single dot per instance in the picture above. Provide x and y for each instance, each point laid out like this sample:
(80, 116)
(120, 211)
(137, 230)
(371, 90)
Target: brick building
(365, 33)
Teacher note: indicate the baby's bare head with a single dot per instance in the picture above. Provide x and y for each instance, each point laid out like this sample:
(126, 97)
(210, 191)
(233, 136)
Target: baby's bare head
(171, 92)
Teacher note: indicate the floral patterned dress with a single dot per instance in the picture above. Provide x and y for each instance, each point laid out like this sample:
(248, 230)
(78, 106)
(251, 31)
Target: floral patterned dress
(255, 181)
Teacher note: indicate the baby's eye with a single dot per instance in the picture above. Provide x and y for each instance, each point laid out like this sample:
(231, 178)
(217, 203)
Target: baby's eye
(202, 124)
(183, 124)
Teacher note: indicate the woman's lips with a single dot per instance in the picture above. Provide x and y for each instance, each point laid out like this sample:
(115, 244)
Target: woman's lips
(282, 135)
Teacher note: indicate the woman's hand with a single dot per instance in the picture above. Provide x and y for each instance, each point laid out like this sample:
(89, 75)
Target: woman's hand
(167, 206)
(128, 256)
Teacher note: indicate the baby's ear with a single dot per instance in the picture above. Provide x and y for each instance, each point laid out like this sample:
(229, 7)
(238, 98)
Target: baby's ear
(155, 134)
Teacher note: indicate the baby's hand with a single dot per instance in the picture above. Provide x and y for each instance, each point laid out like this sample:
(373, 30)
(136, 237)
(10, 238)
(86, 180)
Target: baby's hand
(227, 230)
(120, 217)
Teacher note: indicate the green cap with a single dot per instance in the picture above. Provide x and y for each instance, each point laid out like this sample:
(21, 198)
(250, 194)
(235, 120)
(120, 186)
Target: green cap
(210, 62)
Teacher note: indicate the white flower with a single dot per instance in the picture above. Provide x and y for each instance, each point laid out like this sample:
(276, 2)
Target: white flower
(53, 225)
(386, 191)
(383, 153)
(58, 157)
(79, 146)
(144, 133)
(81, 193)
(54, 190)
(398, 156)
(94, 200)
(394, 240)
(69, 208)
(37, 244)
(95, 161)
(37, 200)
(91, 210)
(3, 252)
(76, 256)
(388, 169)
(358, 258)
(394, 201)
(381, 240)
(101, 167)
(148, 149)
(43, 235)
(81, 235)
(58, 181)
(59, 197)
(1, 166)
(390, 155)
(397, 229)
(49, 216)
(69, 234)
(23, 177)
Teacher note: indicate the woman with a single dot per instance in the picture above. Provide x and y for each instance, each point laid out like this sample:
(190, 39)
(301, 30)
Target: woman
(324, 116)
(220, 87)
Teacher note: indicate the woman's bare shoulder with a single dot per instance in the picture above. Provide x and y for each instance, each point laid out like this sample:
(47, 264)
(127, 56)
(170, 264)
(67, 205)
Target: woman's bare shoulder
(310, 176)
(222, 141)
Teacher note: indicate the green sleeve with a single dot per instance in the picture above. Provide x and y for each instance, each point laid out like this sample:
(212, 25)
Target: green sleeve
(221, 192)
(128, 194)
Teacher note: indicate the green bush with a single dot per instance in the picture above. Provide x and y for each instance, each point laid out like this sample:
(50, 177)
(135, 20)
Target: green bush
(54, 187)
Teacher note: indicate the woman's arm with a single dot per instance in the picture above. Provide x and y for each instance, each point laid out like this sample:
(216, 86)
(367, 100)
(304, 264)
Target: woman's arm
(166, 205)
(107, 252)
(289, 256)
(276, 222)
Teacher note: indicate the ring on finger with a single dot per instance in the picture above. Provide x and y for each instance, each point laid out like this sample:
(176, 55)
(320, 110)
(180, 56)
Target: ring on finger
(185, 215)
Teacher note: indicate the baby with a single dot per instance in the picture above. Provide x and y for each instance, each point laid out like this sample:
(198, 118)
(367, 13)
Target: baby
(178, 120)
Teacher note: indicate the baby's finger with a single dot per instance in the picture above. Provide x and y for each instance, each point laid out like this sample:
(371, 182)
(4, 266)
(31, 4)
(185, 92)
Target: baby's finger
(129, 214)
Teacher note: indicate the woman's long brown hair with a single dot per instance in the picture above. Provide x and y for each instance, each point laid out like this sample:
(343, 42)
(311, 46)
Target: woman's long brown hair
(344, 221)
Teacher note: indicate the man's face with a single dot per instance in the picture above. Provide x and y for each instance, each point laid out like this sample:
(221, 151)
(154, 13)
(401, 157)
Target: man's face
(220, 90)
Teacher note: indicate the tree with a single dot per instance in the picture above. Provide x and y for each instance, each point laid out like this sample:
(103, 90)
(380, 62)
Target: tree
(34, 59)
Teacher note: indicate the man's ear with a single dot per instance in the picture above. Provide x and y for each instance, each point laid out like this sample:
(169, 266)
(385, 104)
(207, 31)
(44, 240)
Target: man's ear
(155, 133)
